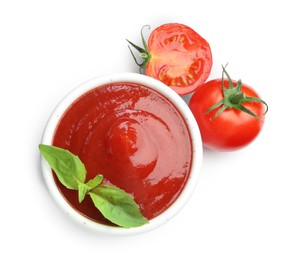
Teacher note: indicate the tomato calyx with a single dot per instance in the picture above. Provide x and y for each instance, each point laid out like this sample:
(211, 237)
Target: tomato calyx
(143, 51)
(234, 99)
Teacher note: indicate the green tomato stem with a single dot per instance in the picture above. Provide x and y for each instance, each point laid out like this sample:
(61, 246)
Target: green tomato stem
(143, 51)
(234, 98)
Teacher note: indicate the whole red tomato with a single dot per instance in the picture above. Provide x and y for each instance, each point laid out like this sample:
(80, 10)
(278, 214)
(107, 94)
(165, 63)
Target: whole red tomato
(230, 114)
(176, 55)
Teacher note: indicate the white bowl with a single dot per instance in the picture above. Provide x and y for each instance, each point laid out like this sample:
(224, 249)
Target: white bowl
(195, 140)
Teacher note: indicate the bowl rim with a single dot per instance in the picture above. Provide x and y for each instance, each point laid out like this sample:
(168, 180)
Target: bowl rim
(181, 106)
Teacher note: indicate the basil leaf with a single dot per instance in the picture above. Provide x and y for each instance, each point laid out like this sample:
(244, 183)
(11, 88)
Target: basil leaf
(67, 166)
(84, 188)
(95, 182)
(117, 206)
(82, 191)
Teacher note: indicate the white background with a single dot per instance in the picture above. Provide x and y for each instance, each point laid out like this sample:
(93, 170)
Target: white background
(245, 204)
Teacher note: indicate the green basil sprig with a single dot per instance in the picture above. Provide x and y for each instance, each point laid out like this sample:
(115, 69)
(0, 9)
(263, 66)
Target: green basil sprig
(114, 204)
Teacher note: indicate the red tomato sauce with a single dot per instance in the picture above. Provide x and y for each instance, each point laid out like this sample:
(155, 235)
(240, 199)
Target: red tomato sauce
(135, 138)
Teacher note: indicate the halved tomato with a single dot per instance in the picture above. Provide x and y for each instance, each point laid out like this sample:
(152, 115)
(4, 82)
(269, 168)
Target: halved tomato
(176, 55)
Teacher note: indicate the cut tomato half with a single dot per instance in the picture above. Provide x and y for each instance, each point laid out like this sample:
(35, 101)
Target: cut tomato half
(178, 56)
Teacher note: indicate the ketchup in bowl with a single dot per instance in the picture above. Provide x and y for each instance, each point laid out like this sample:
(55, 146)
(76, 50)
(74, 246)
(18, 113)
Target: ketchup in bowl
(139, 134)
(132, 135)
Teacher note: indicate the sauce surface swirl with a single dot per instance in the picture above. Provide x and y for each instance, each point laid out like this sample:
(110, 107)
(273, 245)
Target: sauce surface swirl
(135, 137)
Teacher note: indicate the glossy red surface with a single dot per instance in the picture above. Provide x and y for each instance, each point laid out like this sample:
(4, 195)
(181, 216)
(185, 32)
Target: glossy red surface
(133, 136)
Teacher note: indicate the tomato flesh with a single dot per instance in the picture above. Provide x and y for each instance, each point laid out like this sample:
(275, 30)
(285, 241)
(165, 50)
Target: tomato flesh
(180, 57)
(231, 130)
